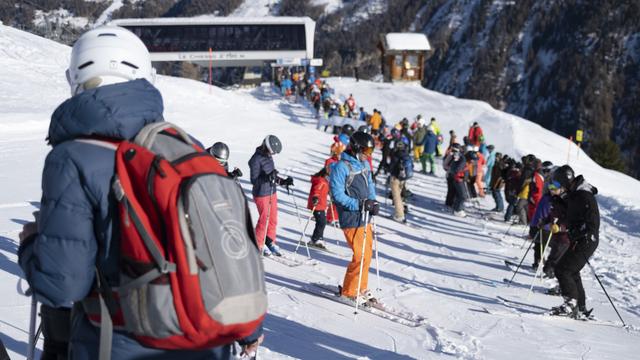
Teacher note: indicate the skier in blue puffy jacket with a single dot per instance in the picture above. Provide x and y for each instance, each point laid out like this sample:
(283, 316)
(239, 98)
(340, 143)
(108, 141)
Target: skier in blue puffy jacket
(76, 232)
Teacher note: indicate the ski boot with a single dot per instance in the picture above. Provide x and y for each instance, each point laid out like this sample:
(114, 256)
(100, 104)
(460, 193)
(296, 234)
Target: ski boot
(266, 252)
(317, 243)
(402, 220)
(368, 297)
(273, 248)
(569, 308)
(553, 291)
(584, 314)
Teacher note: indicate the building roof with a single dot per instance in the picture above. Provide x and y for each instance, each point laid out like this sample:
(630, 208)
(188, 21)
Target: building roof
(215, 20)
(406, 41)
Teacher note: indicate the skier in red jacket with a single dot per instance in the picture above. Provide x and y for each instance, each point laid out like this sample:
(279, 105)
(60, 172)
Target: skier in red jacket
(476, 137)
(318, 203)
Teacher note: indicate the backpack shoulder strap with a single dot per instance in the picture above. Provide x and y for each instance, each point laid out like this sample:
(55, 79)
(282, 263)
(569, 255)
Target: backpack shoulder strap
(101, 143)
(147, 134)
(353, 173)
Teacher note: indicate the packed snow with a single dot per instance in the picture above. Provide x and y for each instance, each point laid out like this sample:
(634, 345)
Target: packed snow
(445, 269)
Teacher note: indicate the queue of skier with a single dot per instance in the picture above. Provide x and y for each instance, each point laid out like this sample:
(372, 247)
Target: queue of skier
(107, 281)
(534, 191)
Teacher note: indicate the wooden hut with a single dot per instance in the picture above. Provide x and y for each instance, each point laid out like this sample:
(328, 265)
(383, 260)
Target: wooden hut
(403, 56)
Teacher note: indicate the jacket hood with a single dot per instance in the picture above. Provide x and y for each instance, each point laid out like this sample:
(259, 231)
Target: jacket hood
(115, 111)
(352, 159)
(580, 184)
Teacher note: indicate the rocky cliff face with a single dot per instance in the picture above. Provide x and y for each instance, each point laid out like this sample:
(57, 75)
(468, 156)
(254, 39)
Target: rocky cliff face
(565, 64)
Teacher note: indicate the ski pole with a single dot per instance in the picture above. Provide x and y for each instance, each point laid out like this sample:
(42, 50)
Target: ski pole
(304, 232)
(541, 264)
(32, 328)
(510, 226)
(541, 247)
(375, 244)
(364, 241)
(295, 203)
(520, 264)
(335, 225)
(532, 239)
(605, 291)
(508, 229)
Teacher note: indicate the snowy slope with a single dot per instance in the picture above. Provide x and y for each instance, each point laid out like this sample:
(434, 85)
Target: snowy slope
(510, 134)
(446, 269)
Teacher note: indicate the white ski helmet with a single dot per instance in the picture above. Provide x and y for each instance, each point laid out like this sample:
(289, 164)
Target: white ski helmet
(273, 144)
(108, 55)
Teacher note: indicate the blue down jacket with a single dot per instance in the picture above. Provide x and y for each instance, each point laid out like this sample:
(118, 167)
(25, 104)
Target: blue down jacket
(77, 230)
(348, 197)
(261, 167)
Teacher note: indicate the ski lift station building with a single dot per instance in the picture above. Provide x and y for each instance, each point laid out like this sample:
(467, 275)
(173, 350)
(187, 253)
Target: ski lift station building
(227, 41)
(403, 56)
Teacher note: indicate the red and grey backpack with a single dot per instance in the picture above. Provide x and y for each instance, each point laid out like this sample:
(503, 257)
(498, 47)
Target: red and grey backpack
(190, 273)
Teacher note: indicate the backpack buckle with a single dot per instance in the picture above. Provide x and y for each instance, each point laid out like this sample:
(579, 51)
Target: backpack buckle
(118, 189)
(167, 267)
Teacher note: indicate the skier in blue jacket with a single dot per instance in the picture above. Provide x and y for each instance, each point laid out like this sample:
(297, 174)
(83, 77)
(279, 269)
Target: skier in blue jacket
(76, 232)
(430, 146)
(354, 192)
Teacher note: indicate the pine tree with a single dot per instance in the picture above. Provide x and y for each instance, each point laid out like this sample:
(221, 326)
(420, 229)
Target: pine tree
(607, 154)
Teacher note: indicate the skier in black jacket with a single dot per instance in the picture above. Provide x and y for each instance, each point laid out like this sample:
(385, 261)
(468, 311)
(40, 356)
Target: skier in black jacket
(583, 226)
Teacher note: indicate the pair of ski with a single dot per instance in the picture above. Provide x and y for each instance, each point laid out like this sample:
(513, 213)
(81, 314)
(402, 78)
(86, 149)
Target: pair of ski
(376, 308)
(533, 312)
(325, 249)
(291, 261)
(525, 310)
(298, 260)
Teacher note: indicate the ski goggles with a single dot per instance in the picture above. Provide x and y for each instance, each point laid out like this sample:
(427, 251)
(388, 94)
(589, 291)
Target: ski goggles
(554, 185)
(368, 151)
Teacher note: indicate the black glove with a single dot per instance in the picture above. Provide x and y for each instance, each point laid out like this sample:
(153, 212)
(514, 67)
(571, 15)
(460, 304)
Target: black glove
(287, 182)
(273, 176)
(236, 173)
(315, 200)
(372, 206)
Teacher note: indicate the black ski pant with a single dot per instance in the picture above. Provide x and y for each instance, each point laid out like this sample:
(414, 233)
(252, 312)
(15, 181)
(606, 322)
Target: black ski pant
(559, 245)
(537, 245)
(568, 270)
(56, 326)
(461, 195)
(382, 166)
(511, 207)
(3, 352)
(321, 222)
(471, 187)
(451, 191)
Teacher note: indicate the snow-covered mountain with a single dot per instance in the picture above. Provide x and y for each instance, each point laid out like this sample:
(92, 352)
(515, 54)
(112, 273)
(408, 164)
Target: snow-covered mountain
(445, 269)
(564, 65)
